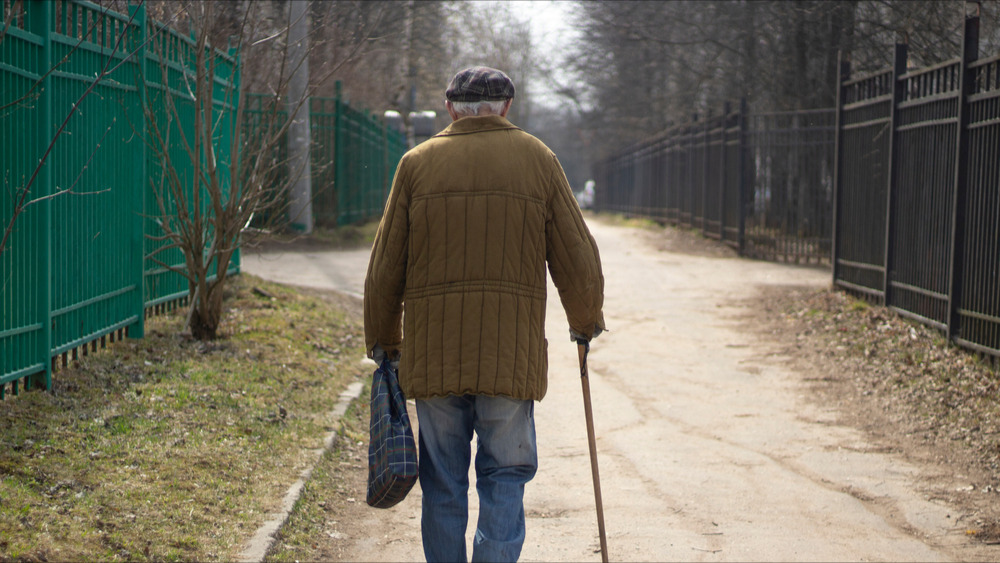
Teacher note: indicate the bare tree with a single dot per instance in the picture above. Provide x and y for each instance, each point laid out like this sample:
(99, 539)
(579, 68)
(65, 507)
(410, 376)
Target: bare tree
(399, 55)
(212, 179)
(217, 175)
(401, 61)
(651, 63)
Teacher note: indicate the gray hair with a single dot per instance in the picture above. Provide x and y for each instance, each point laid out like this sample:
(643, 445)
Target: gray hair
(472, 108)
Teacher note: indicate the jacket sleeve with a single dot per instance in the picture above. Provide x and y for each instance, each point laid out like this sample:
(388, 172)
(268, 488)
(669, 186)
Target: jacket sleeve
(385, 281)
(573, 258)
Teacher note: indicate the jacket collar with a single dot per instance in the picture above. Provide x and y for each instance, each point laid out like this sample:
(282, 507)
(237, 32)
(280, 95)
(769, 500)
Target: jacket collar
(476, 124)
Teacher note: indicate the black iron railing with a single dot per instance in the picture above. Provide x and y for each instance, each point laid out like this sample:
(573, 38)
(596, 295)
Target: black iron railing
(917, 202)
(898, 187)
(762, 182)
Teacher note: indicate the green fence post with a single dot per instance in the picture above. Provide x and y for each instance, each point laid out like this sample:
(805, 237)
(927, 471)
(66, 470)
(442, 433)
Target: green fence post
(383, 195)
(138, 328)
(338, 152)
(236, 130)
(375, 166)
(367, 171)
(40, 20)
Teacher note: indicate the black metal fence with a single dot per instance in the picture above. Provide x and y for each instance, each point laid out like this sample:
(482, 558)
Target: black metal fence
(904, 172)
(762, 182)
(917, 201)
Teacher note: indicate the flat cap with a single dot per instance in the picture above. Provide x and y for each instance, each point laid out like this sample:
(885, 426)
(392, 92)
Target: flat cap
(480, 83)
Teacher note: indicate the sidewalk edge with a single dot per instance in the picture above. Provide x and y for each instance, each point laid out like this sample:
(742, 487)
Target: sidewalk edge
(262, 541)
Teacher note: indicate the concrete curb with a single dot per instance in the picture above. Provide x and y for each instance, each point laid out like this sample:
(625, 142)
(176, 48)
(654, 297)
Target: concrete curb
(265, 537)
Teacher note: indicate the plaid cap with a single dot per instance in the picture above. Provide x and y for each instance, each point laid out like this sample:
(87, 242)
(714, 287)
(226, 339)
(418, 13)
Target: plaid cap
(480, 83)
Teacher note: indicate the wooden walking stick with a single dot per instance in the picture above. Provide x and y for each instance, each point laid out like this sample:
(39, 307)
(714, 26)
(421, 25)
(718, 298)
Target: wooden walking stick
(584, 348)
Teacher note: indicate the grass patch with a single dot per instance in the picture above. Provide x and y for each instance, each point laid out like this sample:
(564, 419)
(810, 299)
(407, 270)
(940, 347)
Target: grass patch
(859, 305)
(169, 449)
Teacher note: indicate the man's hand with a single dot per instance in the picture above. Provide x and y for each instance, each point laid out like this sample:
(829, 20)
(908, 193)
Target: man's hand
(577, 337)
(378, 354)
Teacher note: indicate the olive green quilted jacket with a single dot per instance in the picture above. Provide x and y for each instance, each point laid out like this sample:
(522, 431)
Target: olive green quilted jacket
(457, 278)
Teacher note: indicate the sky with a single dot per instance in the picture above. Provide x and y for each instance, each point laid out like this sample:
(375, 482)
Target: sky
(548, 19)
(549, 24)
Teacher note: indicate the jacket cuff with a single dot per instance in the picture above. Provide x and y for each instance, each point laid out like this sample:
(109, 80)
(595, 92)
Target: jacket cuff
(377, 353)
(574, 335)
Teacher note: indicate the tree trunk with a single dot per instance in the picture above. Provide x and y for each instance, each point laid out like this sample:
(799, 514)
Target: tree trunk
(205, 315)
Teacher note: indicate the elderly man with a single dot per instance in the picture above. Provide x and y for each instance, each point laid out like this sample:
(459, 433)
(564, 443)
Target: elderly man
(474, 215)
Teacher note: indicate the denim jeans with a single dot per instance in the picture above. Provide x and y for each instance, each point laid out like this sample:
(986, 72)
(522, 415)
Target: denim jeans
(506, 459)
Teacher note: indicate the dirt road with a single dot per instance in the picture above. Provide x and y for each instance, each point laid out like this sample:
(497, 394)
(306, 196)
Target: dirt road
(711, 447)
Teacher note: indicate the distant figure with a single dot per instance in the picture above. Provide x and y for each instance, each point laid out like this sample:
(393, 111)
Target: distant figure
(456, 292)
(586, 197)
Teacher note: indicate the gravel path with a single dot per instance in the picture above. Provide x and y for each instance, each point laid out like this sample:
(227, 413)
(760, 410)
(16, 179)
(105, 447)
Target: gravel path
(712, 447)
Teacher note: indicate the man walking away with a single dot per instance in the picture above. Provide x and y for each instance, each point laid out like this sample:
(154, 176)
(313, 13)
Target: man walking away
(474, 216)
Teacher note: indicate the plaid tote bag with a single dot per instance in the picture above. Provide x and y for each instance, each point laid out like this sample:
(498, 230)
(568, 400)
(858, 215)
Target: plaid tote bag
(392, 452)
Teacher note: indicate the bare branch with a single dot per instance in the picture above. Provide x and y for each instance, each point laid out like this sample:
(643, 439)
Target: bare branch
(26, 189)
(9, 19)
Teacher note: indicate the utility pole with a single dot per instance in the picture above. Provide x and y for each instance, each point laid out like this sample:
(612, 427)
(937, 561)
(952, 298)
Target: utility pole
(299, 135)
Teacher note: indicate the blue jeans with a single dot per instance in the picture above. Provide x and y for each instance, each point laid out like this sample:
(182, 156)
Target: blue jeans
(506, 459)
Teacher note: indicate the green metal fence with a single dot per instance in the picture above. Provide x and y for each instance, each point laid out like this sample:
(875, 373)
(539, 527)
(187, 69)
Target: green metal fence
(362, 172)
(74, 271)
(349, 185)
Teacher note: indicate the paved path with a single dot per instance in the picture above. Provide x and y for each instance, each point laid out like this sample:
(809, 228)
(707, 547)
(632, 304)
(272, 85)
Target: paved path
(711, 449)
(343, 270)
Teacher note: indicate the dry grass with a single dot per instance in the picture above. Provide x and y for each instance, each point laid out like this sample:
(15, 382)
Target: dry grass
(902, 383)
(169, 449)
